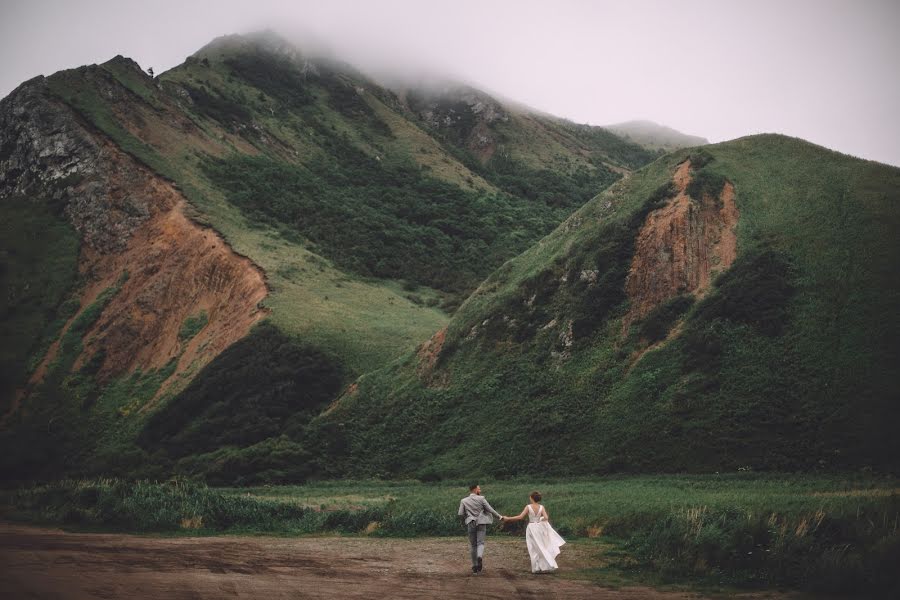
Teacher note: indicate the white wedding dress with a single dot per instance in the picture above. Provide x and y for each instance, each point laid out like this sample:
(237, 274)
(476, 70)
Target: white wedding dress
(543, 542)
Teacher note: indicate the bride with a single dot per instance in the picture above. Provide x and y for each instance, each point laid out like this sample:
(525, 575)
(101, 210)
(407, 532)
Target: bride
(542, 540)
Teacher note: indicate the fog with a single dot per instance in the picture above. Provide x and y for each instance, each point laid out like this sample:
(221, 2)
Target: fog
(823, 70)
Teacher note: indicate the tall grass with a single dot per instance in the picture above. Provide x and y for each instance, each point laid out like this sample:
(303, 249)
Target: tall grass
(144, 506)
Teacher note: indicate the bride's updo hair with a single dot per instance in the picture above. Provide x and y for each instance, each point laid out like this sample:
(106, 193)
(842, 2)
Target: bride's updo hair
(536, 496)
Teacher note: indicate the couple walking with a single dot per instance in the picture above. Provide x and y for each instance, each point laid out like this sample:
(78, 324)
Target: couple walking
(542, 541)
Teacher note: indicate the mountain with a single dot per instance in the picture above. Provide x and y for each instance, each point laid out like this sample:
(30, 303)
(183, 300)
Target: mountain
(263, 265)
(231, 243)
(654, 136)
(725, 308)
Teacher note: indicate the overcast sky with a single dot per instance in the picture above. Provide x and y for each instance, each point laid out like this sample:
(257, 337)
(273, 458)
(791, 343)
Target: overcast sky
(823, 70)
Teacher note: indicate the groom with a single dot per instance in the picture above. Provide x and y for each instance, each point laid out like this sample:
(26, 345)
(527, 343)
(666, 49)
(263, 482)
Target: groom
(477, 514)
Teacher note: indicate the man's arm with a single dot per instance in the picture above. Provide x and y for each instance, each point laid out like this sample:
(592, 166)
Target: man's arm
(490, 508)
(462, 511)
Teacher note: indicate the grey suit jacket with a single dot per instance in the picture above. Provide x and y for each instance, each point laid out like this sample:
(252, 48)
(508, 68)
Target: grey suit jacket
(475, 508)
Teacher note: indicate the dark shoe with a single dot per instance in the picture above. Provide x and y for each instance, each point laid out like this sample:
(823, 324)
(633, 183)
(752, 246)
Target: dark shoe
(475, 569)
(479, 564)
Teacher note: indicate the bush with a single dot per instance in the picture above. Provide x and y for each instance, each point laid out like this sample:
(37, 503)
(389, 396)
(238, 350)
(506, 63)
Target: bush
(192, 325)
(146, 506)
(808, 550)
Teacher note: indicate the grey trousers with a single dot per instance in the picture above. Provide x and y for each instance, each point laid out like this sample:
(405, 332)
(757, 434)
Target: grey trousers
(476, 541)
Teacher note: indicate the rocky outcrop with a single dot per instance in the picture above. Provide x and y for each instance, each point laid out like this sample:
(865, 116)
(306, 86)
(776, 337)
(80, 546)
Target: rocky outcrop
(465, 112)
(445, 108)
(132, 222)
(47, 154)
(428, 355)
(681, 246)
(176, 270)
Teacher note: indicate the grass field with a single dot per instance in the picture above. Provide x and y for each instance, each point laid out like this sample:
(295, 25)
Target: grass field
(837, 533)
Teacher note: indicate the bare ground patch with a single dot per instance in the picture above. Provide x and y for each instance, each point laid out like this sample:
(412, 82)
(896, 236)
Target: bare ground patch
(48, 563)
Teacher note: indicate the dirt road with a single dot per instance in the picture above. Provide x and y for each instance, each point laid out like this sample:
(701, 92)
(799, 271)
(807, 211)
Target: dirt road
(48, 563)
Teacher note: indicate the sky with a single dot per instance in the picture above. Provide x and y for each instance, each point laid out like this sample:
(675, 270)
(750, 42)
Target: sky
(823, 70)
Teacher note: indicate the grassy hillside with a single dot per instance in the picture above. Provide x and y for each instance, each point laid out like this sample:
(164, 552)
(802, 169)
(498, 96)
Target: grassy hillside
(785, 363)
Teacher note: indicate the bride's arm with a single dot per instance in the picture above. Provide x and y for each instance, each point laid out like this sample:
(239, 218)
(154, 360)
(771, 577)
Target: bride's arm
(546, 514)
(518, 517)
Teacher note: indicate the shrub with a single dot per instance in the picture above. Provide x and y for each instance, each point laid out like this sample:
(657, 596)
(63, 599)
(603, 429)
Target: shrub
(808, 550)
(193, 325)
(274, 460)
(700, 158)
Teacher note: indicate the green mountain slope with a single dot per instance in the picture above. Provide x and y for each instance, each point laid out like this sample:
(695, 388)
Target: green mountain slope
(727, 309)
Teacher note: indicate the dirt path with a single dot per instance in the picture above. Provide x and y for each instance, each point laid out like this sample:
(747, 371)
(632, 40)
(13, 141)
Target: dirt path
(47, 563)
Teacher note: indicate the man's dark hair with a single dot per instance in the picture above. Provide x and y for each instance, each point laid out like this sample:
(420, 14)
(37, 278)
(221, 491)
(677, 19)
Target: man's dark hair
(473, 486)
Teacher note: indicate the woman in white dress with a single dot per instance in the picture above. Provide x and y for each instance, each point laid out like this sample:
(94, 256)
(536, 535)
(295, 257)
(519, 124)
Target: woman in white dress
(542, 540)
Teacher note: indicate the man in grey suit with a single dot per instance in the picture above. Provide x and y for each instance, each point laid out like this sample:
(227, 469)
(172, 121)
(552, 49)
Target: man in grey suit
(477, 514)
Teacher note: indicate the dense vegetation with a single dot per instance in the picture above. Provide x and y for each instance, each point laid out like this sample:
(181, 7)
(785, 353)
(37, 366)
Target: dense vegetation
(560, 190)
(385, 216)
(260, 387)
(389, 222)
(824, 534)
(627, 153)
(38, 258)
